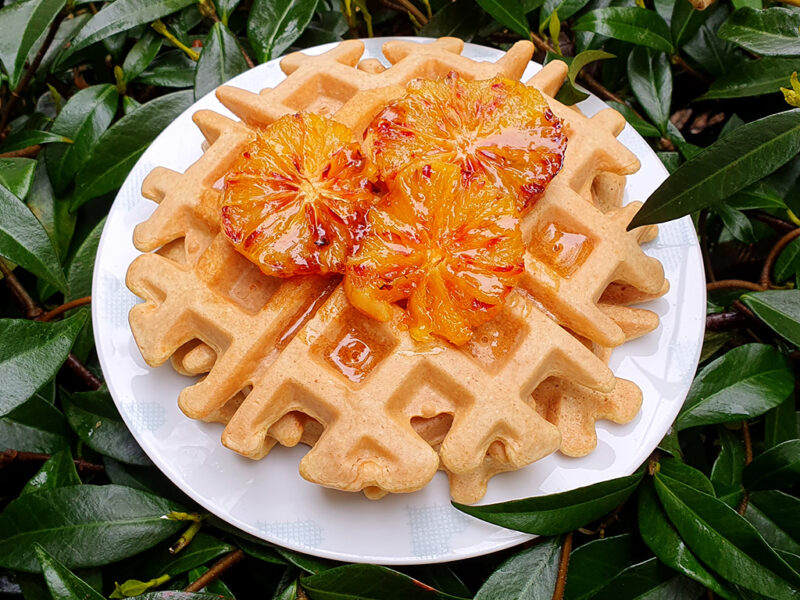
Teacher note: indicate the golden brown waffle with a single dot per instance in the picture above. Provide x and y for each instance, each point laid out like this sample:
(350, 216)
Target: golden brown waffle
(291, 360)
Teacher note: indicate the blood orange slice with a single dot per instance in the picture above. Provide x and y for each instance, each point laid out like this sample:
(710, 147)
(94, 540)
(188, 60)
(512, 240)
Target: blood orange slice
(295, 200)
(498, 127)
(446, 241)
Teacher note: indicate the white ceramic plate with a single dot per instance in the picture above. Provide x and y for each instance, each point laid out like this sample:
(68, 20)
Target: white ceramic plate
(269, 499)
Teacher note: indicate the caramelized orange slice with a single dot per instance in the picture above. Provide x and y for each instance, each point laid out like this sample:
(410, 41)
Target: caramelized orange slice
(446, 241)
(296, 198)
(499, 127)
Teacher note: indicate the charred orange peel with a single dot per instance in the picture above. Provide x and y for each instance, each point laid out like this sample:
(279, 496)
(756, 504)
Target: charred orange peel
(446, 241)
(294, 201)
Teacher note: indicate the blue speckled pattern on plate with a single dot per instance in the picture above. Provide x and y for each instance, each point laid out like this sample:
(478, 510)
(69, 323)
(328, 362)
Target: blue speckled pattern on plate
(269, 499)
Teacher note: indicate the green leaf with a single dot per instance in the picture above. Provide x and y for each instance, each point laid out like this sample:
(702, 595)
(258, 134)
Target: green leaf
(24, 27)
(444, 579)
(557, 513)
(220, 60)
(528, 575)
(736, 222)
(16, 175)
(508, 13)
(726, 474)
(120, 147)
(34, 426)
(53, 213)
(288, 593)
(123, 15)
(304, 562)
(93, 416)
(367, 582)
(788, 263)
(753, 78)
(641, 126)
(745, 156)
(778, 467)
(650, 78)
(38, 351)
(579, 61)
(706, 48)
(173, 595)
(141, 55)
(160, 561)
(563, 9)
(596, 563)
(58, 471)
(171, 69)
(757, 195)
(629, 24)
(146, 479)
(63, 584)
(662, 538)
(274, 24)
(225, 8)
(686, 21)
(456, 19)
(725, 541)
(680, 471)
(83, 525)
(778, 533)
(780, 309)
(81, 264)
(780, 424)
(31, 137)
(649, 580)
(83, 119)
(768, 32)
(743, 383)
(217, 587)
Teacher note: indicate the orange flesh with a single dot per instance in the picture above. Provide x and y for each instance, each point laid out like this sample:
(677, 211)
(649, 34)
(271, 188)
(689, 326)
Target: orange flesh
(446, 241)
(500, 128)
(294, 202)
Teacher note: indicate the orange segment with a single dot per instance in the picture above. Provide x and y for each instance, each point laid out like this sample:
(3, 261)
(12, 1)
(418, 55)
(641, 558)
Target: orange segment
(498, 127)
(295, 200)
(446, 241)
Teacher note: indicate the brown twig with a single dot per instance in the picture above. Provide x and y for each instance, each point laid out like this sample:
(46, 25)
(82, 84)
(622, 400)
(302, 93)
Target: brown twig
(689, 69)
(748, 458)
(775, 222)
(733, 283)
(413, 10)
(20, 295)
(16, 93)
(773, 256)
(563, 567)
(85, 375)
(725, 321)
(702, 225)
(23, 152)
(50, 315)
(14, 456)
(215, 572)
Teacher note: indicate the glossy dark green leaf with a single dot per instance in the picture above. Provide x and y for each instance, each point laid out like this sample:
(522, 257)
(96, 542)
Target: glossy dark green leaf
(83, 525)
(778, 467)
(528, 575)
(63, 583)
(686, 474)
(120, 147)
(225, 8)
(686, 21)
(768, 32)
(38, 351)
(367, 582)
(557, 513)
(16, 175)
(177, 595)
(273, 25)
(141, 55)
(596, 563)
(34, 426)
(788, 263)
(650, 78)
(123, 15)
(287, 593)
(736, 222)
(456, 19)
(23, 25)
(757, 195)
(93, 416)
(745, 156)
(444, 579)
(632, 24)
(780, 424)
(743, 383)
(671, 444)
(707, 50)
(220, 60)
(331, 26)
(81, 264)
(508, 13)
(780, 309)
(641, 126)
(662, 538)
(146, 479)
(171, 69)
(753, 78)
(58, 471)
(564, 9)
(770, 515)
(726, 474)
(83, 119)
(649, 580)
(725, 541)
(31, 137)
(159, 561)
(304, 562)
(52, 212)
